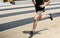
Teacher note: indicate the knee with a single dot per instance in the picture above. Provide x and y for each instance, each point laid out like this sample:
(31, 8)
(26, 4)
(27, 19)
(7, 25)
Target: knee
(41, 17)
(35, 19)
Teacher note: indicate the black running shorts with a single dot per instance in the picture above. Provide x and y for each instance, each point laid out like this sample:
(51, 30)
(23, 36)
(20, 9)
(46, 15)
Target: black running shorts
(38, 8)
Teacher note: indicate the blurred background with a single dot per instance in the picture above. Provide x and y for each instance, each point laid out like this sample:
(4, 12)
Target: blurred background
(17, 2)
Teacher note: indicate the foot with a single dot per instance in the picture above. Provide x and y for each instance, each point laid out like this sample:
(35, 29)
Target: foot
(51, 16)
(31, 32)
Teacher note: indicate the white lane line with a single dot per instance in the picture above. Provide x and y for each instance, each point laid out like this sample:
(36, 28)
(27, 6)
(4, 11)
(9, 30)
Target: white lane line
(25, 9)
(23, 16)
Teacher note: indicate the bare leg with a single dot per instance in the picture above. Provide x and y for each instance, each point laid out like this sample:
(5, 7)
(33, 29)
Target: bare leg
(37, 16)
(42, 16)
(35, 22)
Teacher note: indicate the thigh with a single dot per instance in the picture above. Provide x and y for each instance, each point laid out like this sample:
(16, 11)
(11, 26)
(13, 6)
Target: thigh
(36, 16)
(40, 14)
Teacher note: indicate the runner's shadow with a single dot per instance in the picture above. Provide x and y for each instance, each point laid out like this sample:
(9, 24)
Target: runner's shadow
(36, 32)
